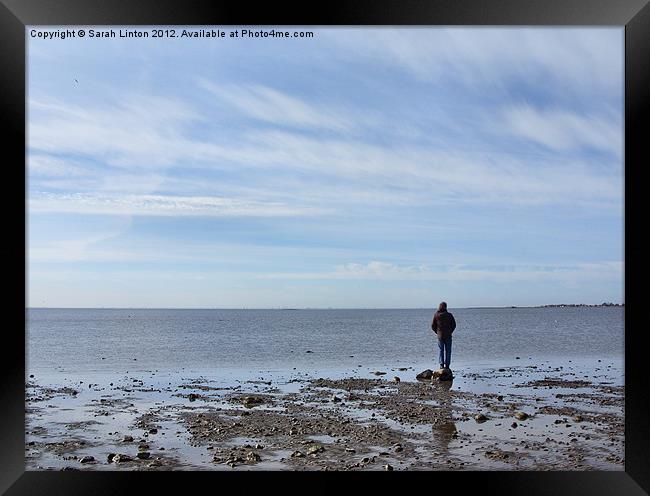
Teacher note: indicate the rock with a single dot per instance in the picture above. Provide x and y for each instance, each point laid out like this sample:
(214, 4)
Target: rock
(127, 439)
(377, 372)
(193, 396)
(155, 463)
(153, 431)
(315, 449)
(143, 455)
(350, 450)
(398, 449)
(143, 447)
(500, 398)
(513, 425)
(396, 379)
(259, 446)
(480, 417)
(87, 459)
(336, 399)
(253, 457)
(110, 457)
(425, 375)
(577, 418)
(252, 400)
(388, 468)
(308, 351)
(521, 416)
(297, 454)
(442, 375)
(119, 458)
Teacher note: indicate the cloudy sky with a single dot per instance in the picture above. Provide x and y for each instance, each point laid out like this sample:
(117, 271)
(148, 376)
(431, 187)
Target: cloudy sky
(359, 168)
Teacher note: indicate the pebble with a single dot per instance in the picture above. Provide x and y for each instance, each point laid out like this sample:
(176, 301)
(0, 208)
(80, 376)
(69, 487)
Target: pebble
(253, 457)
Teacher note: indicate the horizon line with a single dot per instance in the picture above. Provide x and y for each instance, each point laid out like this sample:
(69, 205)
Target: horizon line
(326, 308)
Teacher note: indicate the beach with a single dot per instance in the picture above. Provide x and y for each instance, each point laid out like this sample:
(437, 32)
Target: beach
(519, 416)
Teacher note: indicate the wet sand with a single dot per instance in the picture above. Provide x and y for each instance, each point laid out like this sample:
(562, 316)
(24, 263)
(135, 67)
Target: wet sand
(512, 417)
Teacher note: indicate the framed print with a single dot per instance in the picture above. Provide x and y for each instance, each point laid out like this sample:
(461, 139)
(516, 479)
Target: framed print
(372, 237)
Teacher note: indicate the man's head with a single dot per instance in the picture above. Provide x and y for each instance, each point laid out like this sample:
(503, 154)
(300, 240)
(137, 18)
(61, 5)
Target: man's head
(442, 307)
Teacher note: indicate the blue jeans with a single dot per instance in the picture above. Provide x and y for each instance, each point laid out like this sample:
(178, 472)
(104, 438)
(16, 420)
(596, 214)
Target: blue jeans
(445, 351)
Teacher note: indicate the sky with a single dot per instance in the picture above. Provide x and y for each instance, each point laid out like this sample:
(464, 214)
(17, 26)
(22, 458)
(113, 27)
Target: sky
(359, 168)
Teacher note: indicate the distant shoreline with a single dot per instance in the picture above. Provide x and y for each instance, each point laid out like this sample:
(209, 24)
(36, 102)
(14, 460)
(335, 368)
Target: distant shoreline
(553, 305)
(581, 305)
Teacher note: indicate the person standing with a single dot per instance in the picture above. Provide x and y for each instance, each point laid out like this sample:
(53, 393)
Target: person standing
(443, 325)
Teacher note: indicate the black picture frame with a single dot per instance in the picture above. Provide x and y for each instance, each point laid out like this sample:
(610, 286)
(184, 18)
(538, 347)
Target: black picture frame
(15, 15)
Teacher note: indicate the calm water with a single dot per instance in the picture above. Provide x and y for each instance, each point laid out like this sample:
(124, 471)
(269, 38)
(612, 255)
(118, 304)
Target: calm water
(83, 341)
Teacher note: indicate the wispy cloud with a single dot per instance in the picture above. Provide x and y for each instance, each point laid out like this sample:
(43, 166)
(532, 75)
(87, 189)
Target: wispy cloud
(160, 205)
(578, 59)
(153, 134)
(386, 271)
(135, 130)
(270, 105)
(562, 130)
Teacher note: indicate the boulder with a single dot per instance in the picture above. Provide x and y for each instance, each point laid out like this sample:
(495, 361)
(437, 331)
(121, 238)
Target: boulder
(442, 375)
(252, 400)
(425, 375)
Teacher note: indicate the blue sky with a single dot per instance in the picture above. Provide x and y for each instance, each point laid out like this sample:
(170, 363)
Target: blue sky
(359, 168)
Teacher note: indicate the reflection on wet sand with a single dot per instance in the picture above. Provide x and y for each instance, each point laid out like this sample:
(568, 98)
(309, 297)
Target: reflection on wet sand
(443, 427)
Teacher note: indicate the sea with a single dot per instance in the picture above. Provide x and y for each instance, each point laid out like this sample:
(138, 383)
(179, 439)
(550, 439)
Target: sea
(217, 342)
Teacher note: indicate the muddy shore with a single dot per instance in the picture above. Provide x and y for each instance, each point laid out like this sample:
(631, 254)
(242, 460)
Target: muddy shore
(522, 417)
